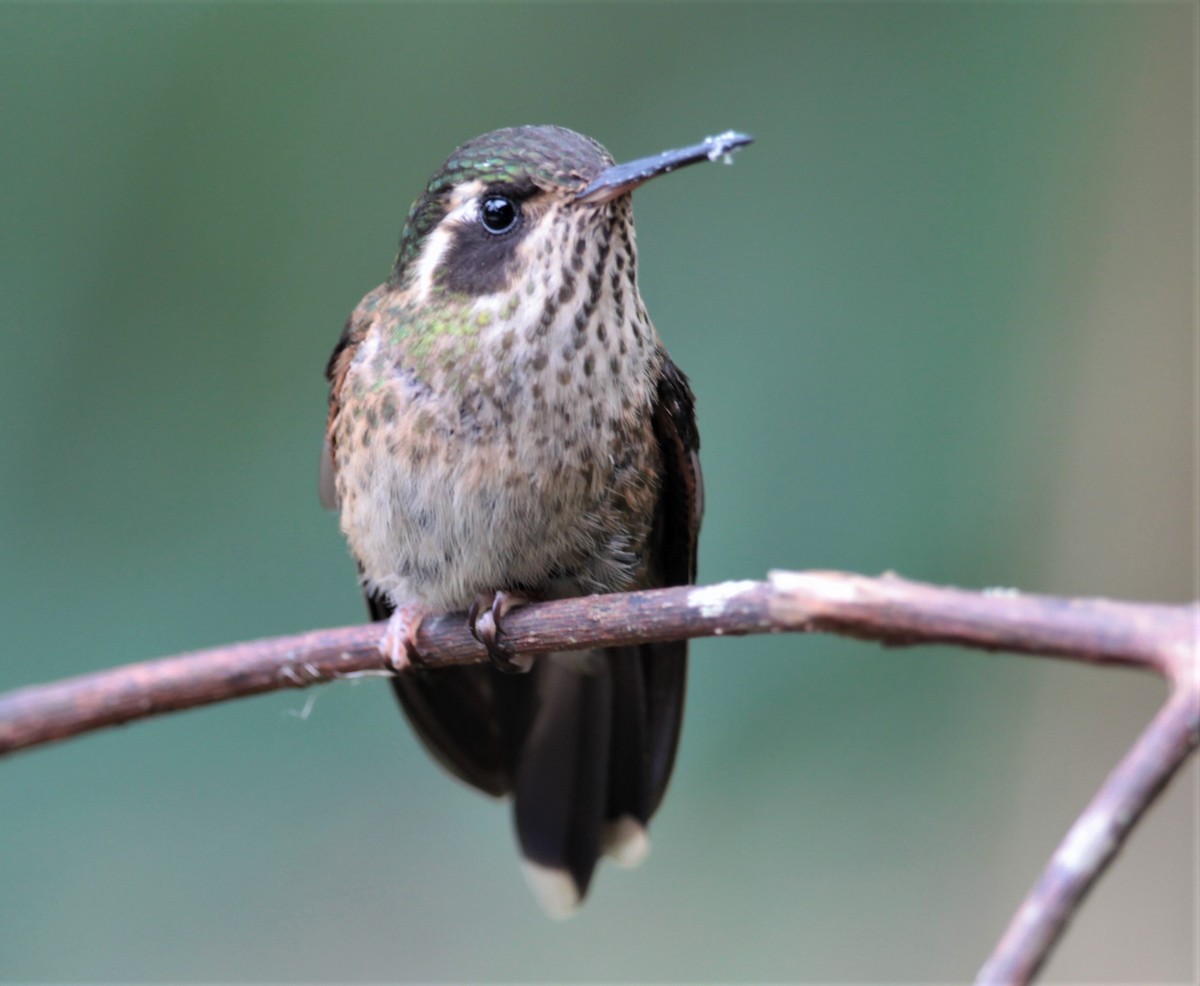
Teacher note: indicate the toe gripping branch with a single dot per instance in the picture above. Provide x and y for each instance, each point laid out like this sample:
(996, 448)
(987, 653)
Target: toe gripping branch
(486, 617)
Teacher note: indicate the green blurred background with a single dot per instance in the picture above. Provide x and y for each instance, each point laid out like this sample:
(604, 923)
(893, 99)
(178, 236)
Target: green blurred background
(939, 322)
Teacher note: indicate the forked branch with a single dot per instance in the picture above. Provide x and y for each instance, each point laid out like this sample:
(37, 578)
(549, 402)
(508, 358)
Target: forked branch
(891, 610)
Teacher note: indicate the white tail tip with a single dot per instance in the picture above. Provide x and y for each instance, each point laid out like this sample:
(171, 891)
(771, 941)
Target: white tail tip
(554, 889)
(626, 842)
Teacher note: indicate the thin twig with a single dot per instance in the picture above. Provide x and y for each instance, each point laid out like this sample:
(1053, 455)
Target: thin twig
(1094, 839)
(1101, 830)
(891, 610)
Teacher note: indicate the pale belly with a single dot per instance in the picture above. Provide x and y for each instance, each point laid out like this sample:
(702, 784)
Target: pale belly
(436, 516)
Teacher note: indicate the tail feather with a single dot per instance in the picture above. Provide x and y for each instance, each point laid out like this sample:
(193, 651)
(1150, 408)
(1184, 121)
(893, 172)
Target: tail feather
(594, 765)
(664, 671)
(561, 784)
(628, 806)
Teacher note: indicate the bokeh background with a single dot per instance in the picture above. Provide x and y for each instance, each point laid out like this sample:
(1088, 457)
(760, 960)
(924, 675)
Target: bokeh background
(940, 321)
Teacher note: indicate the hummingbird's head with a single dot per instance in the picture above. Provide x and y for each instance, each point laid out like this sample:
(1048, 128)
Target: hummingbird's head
(520, 199)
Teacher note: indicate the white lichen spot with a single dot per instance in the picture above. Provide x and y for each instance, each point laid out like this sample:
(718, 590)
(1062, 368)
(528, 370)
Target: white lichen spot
(1004, 592)
(711, 599)
(1086, 844)
(820, 584)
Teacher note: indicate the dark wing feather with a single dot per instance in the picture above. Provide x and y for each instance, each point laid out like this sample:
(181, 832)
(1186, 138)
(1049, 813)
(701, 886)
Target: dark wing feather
(455, 713)
(651, 680)
(681, 507)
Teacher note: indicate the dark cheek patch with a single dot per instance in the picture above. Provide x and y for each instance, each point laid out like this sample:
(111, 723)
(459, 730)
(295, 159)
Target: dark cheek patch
(478, 262)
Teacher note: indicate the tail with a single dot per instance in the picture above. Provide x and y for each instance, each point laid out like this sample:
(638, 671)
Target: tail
(594, 764)
(585, 743)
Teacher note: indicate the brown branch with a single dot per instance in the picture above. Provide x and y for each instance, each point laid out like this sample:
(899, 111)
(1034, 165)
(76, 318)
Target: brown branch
(890, 610)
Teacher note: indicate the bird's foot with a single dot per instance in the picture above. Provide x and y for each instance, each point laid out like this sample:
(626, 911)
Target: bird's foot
(399, 642)
(485, 617)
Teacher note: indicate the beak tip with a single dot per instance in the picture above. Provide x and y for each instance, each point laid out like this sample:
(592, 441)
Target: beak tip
(722, 146)
(621, 178)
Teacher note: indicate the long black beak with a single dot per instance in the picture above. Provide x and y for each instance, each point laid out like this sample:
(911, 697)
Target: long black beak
(622, 178)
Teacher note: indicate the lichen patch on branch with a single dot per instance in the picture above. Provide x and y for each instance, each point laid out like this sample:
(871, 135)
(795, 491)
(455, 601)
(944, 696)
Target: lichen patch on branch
(711, 600)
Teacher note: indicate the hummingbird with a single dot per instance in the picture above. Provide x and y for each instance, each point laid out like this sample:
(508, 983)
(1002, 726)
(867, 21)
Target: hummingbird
(504, 426)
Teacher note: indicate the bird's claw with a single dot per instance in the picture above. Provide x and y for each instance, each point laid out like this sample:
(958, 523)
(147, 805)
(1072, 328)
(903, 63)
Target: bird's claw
(399, 642)
(485, 617)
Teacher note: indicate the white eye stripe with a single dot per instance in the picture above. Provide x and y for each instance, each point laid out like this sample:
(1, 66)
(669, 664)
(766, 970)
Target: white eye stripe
(464, 208)
(435, 246)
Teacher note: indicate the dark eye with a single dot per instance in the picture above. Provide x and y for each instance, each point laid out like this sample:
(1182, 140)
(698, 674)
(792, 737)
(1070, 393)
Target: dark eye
(499, 214)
